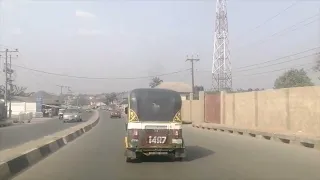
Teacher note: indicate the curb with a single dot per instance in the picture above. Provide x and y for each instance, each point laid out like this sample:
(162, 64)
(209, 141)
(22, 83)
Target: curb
(307, 142)
(13, 166)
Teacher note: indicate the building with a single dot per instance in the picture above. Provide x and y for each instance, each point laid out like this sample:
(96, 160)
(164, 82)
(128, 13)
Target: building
(183, 88)
(29, 104)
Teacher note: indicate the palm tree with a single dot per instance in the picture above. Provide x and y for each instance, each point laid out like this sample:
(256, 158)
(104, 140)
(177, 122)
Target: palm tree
(156, 81)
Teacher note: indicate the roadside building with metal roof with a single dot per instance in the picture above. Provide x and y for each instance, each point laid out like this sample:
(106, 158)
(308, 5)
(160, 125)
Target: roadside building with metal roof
(183, 88)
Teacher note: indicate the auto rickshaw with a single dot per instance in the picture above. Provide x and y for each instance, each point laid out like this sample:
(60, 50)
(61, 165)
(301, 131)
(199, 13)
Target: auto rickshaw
(61, 112)
(154, 125)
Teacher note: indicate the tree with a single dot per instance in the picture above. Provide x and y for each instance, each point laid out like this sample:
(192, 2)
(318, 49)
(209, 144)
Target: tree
(80, 101)
(317, 66)
(198, 88)
(156, 81)
(110, 98)
(16, 91)
(20, 91)
(293, 78)
(249, 90)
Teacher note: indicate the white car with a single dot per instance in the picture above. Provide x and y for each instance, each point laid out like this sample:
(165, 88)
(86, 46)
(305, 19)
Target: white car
(72, 115)
(89, 110)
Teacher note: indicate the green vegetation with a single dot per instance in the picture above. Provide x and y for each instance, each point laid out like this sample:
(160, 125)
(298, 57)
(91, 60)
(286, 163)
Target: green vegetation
(293, 78)
(156, 81)
(110, 98)
(16, 91)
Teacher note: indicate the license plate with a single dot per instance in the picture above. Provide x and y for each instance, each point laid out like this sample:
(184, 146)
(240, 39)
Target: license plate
(157, 139)
(158, 153)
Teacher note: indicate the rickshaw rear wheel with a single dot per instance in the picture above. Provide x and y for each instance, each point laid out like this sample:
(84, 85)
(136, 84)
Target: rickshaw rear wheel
(136, 160)
(179, 159)
(172, 157)
(128, 159)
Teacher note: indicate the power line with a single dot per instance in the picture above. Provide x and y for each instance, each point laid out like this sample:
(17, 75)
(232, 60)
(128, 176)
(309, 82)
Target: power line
(310, 55)
(277, 59)
(100, 78)
(283, 57)
(284, 31)
(5, 46)
(300, 22)
(176, 72)
(266, 72)
(273, 17)
(271, 71)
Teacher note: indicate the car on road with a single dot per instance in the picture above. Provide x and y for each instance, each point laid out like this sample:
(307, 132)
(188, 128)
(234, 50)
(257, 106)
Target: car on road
(115, 113)
(89, 110)
(154, 124)
(72, 115)
(103, 108)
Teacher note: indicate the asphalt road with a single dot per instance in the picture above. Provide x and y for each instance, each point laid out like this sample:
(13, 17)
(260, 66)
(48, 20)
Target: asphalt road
(12, 136)
(99, 155)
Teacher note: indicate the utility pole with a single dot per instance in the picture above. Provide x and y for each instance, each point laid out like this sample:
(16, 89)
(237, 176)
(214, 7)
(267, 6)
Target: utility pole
(192, 60)
(11, 71)
(68, 97)
(61, 92)
(61, 87)
(11, 84)
(6, 68)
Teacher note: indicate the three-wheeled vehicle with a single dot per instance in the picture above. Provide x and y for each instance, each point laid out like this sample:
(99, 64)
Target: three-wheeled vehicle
(154, 125)
(60, 114)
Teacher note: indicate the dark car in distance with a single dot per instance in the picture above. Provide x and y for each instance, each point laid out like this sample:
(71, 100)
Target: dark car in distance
(115, 114)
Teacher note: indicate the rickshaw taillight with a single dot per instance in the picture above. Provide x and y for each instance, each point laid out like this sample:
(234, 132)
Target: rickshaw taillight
(176, 133)
(135, 133)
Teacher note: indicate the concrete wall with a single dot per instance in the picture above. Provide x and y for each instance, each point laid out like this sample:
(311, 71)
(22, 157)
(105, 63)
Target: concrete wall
(193, 110)
(183, 97)
(292, 109)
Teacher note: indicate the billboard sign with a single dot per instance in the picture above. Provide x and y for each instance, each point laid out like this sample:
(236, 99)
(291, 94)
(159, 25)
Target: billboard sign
(39, 102)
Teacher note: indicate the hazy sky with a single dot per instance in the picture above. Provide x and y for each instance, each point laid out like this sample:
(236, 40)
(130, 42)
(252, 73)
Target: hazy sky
(116, 39)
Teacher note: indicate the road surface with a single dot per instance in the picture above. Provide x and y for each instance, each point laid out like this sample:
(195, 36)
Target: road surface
(12, 136)
(212, 155)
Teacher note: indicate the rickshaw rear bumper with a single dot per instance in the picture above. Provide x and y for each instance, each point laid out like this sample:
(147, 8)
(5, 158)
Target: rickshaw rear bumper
(178, 152)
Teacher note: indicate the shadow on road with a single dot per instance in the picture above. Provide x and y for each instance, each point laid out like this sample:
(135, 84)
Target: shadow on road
(197, 152)
(193, 153)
